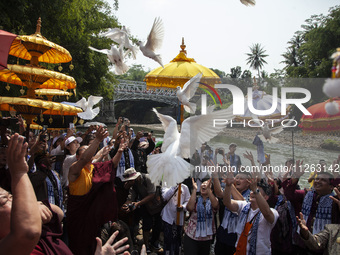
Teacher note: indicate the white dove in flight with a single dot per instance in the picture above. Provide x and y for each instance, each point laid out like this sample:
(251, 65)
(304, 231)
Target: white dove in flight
(184, 95)
(170, 166)
(267, 132)
(87, 106)
(248, 2)
(154, 42)
(116, 57)
(121, 36)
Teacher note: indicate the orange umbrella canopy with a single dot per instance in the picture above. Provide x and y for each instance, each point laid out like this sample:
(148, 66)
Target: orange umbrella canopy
(36, 77)
(33, 107)
(37, 48)
(320, 121)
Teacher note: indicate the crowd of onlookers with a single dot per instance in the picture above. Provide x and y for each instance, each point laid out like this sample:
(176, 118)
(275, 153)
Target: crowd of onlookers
(90, 193)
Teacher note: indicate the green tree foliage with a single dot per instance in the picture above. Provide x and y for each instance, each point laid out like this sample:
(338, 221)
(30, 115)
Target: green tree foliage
(135, 73)
(308, 55)
(74, 26)
(310, 49)
(220, 73)
(256, 57)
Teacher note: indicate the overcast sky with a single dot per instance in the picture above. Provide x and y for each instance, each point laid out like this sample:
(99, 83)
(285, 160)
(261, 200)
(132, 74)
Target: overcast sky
(218, 33)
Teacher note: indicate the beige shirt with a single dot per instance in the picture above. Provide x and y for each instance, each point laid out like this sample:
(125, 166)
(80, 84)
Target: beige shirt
(325, 240)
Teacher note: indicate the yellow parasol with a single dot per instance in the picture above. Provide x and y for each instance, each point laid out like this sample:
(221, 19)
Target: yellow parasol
(37, 48)
(30, 108)
(35, 77)
(178, 72)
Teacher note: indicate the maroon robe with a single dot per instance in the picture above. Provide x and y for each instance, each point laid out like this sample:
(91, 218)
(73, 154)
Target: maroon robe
(86, 214)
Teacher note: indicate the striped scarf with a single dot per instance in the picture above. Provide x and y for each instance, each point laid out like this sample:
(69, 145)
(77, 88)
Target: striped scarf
(230, 219)
(242, 222)
(323, 212)
(204, 218)
(126, 161)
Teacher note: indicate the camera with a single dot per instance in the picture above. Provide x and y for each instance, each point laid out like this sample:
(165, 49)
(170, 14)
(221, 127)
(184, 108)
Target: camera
(145, 134)
(220, 151)
(131, 207)
(42, 138)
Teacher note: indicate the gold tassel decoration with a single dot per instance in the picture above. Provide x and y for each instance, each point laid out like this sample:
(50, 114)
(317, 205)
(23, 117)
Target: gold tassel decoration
(60, 68)
(22, 91)
(8, 87)
(50, 120)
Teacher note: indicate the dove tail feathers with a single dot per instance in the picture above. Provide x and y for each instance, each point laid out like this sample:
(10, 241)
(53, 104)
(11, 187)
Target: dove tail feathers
(190, 108)
(121, 69)
(167, 169)
(158, 59)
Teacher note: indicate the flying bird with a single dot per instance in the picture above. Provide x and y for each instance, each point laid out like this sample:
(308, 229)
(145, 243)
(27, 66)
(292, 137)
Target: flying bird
(87, 106)
(248, 2)
(154, 42)
(267, 132)
(189, 89)
(121, 36)
(116, 57)
(170, 166)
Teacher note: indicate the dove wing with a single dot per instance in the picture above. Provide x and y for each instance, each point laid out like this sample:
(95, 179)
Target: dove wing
(89, 114)
(93, 100)
(112, 31)
(190, 87)
(104, 51)
(155, 38)
(170, 128)
(82, 103)
(199, 129)
(248, 2)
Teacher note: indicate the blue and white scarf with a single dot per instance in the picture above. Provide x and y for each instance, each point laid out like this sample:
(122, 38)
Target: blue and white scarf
(204, 218)
(323, 212)
(242, 222)
(50, 190)
(230, 219)
(121, 165)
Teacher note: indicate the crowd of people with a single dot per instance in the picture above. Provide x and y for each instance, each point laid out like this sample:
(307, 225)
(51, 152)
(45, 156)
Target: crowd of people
(77, 193)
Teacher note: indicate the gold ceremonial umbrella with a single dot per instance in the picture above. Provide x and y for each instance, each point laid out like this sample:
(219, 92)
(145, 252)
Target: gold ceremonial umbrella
(37, 48)
(179, 71)
(35, 77)
(50, 93)
(30, 108)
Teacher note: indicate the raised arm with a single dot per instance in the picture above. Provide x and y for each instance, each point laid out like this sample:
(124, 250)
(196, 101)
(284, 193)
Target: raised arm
(192, 201)
(116, 129)
(212, 198)
(25, 221)
(87, 155)
(231, 204)
(261, 202)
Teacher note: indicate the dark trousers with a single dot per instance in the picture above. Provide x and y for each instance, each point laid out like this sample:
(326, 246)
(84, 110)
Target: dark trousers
(153, 222)
(223, 249)
(193, 247)
(172, 238)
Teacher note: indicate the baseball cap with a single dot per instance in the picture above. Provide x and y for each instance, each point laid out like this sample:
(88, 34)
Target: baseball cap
(71, 139)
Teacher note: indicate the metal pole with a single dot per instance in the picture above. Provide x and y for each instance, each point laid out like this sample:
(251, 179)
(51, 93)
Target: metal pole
(293, 143)
(178, 203)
